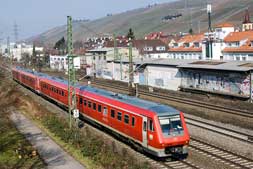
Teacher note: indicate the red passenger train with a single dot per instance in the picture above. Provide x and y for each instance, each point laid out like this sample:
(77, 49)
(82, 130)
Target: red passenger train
(158, 129)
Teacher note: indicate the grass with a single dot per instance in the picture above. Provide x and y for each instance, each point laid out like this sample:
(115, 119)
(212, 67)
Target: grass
(76, 153)
(15, 150)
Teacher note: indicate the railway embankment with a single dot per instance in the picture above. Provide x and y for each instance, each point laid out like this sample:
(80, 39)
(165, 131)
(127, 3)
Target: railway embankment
(86, 145)
(15, 150)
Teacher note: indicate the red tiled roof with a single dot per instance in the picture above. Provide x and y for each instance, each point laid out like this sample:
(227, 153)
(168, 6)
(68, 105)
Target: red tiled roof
(185, 49)
(238, 36)
(224, 25)
(242, 49)
(191, 38)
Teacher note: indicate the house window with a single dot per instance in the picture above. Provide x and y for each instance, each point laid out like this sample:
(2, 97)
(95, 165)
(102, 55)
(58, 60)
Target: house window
(126, 119)
(244, 58)
(196, 45)
(119, 117)
(160, 48)
(187, 45)
(148, 49)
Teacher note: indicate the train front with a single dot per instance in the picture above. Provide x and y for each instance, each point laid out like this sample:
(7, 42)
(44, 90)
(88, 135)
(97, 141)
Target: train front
(173, 135)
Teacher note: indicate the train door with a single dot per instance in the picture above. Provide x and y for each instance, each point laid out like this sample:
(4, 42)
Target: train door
(105, 114)
(144, 131)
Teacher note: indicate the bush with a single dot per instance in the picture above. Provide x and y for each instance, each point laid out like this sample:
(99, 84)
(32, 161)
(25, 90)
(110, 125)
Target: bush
(91, 146)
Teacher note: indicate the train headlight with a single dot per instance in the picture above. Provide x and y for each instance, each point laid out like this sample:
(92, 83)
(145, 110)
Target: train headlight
(151, 137)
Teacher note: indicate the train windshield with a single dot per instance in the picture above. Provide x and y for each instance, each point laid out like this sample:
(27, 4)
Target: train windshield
(171, 125)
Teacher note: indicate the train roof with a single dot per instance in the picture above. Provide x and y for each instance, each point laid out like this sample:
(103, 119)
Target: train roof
(46, 76)
(159, 109)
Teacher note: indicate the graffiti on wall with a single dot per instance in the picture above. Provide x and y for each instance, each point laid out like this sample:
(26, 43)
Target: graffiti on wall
(252, 86)
(233, 83)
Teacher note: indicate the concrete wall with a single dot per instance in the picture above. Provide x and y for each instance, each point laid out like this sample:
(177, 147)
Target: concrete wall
(162, 77)
(231, 83)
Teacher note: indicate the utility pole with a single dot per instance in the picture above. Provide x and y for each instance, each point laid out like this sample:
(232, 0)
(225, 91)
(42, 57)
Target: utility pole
(9, 51)
(131, 73)
(115, 47)
(71, 72)
(121, 77)
(210, 46)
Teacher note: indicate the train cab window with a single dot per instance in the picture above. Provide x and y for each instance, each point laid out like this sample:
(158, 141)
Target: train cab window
(119, 117)
(99, 108)
(94, 106)
(89, 104)
(81, 100)
(84, 102)
(113, 113)
(105, 111)
(133, 121)
(145, 126)
(126, 119)
(151, 125)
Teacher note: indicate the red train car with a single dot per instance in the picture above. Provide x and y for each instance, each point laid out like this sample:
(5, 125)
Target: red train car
(55, 90)
(158, 129)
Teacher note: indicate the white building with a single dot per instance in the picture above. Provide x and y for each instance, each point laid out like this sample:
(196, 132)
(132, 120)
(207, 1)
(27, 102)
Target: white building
(61, 62)
(188, 47)
(16, 50)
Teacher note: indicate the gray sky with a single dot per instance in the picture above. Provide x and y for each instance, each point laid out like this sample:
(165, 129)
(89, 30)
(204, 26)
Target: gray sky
(36, 16)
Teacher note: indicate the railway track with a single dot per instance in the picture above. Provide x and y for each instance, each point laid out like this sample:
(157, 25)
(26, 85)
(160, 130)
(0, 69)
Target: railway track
(210, 151)
(241, 113)
(198, 123)
(220, 155)
(235, 134)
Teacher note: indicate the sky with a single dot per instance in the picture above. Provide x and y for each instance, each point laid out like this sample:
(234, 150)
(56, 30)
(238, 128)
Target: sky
(36, 16)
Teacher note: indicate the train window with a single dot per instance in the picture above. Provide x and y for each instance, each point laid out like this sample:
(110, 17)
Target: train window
(119, 117)
(133, 121)
(81, 100)
(94, 106)
(112, 113)
(89, 104)
(84, 102)
(62, 93)
(105, 111)
(126, 119)
(99, 108)
(151, 125)
(145, 126)
(57, 91)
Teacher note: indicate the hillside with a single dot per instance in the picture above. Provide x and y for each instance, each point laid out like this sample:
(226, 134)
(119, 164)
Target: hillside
(145, 20)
